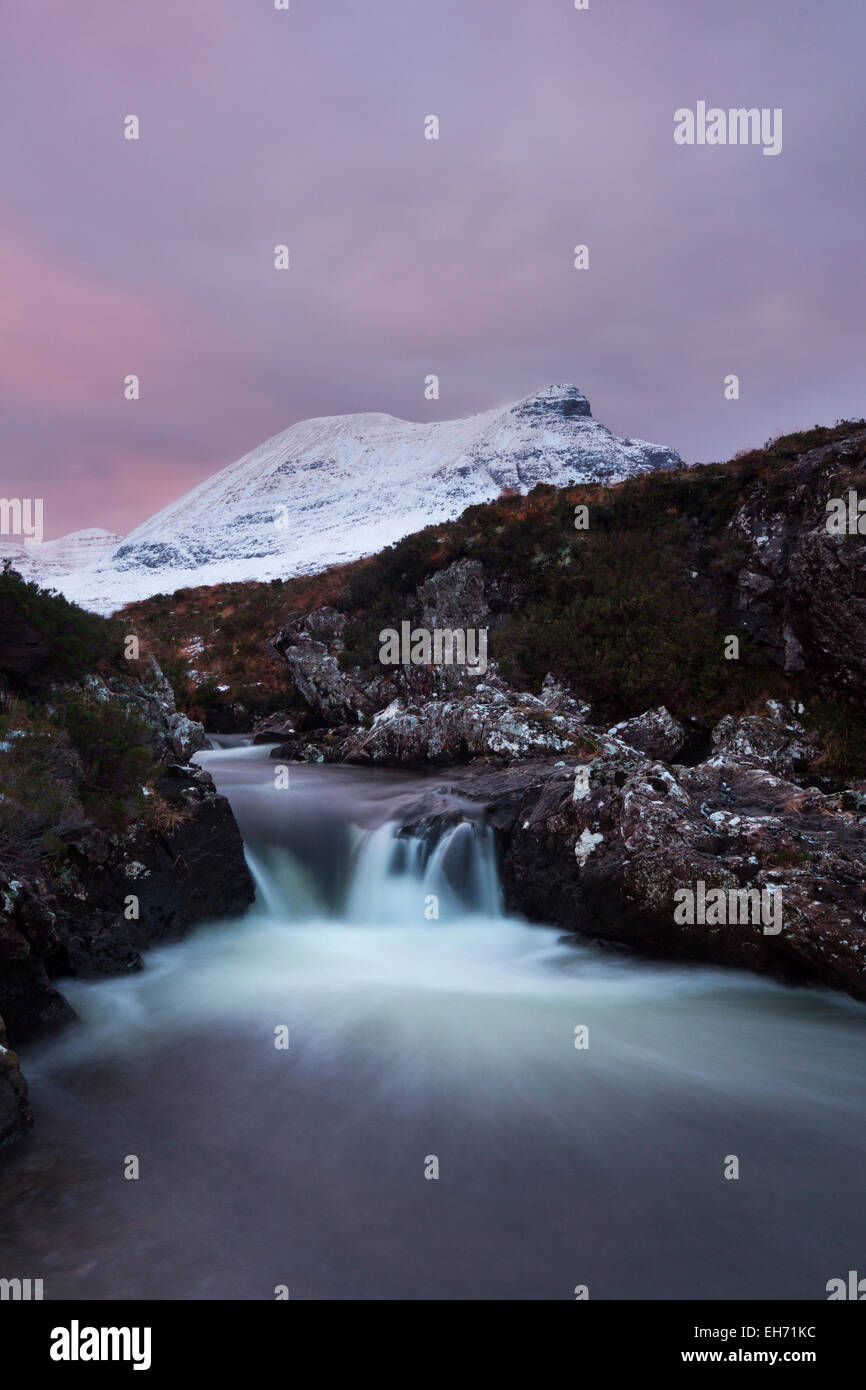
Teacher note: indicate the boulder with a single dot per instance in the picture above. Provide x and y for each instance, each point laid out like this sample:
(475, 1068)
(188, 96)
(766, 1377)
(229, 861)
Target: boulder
(656, 733)
(776, 742)
(490, 721)
(310, 646)
(455, 597)
(185, 864)
(800, 590)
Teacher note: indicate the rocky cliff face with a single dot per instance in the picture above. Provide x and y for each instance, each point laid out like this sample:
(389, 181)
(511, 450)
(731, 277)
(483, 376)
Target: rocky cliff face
(801, 588)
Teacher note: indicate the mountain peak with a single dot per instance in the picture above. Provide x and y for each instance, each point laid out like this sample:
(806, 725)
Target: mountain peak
(336, 488)
(562, 399)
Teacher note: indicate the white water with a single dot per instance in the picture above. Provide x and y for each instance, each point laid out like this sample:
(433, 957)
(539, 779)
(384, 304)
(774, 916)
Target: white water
(413, 1036)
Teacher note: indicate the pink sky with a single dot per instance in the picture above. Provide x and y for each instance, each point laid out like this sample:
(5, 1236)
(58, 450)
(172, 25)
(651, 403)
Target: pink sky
(409, 256)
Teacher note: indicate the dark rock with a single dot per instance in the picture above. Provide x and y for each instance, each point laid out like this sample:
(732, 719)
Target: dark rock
(776, 742)
(190, 870)
(601, 847)
(310, 645)
(656, 733)
(801, 591)
(455, 597)
(15, 1114)
(281, 725)
(490, 721)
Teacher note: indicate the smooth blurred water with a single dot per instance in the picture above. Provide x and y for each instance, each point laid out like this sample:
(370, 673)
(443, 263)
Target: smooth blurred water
(412, 1036)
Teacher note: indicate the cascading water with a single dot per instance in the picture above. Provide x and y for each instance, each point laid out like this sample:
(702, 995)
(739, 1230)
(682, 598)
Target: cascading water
(391, 876)
(421, 1020)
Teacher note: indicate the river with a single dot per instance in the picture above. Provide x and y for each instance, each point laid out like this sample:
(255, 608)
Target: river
(414, 1038)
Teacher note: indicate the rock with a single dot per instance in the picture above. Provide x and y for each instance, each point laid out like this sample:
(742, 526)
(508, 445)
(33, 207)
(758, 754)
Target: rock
(801, 591)
(15, 1114)
(183, 860)
(656, 733)
(490, 721)
(186, 736)
(310, 646)
(281, 725)
(600, 847)
(559, 700)
(454, 597)
(775, 742)
(177, 736)
(190, 869)
(318, 746)
(29, 938)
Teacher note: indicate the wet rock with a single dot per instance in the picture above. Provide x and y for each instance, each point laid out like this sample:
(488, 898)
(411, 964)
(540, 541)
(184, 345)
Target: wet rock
(318, 746)
(29, 938)
(186, 869)
(281, 725)
(70, 912)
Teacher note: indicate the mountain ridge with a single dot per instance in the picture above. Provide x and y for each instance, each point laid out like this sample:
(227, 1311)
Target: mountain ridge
(335, 488)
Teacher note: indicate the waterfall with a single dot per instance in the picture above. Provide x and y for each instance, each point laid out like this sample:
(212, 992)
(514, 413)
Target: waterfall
(391, 877)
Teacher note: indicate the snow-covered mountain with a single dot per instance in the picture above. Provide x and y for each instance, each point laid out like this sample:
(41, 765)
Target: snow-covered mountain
(333, 489)
(51, 561)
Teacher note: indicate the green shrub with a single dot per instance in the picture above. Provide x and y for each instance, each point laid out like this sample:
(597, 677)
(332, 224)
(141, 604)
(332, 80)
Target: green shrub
(45, 639)
(842, 727)
(116, 748)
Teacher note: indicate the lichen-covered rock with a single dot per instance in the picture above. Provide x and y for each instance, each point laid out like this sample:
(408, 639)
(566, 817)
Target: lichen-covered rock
(557, 697)
(656, 733)
(177, 736)
(186, 736)
(310, 645)
(775, 742)
(490, 721)
(455, 597)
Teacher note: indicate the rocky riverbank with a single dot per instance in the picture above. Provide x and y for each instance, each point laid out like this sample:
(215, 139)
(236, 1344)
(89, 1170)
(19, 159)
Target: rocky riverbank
(599, 829)
(606, 828)
(110, 838)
